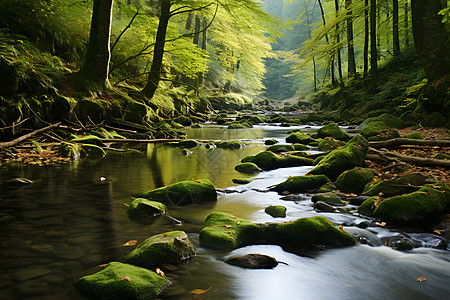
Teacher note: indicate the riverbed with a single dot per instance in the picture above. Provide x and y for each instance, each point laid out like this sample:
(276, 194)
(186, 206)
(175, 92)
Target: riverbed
(73, 218)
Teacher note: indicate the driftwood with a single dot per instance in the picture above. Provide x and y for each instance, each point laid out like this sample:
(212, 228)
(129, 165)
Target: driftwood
(28, 135)
(388, 156)
(403, 141)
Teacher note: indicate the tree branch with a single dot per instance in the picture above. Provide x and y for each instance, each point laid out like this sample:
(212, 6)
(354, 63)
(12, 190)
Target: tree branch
(26, 136)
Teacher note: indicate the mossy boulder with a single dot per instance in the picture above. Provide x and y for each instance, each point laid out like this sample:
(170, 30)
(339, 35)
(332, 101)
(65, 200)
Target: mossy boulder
(247, 167)
(184, 192)
(280, 148)
(93, 150)
(297, 153)
(70, 150)
(300, 138)
(393, 121)
(342, 159)
(185, 121)
(300, 147)
(269, 161)
(241, 180)
(419, 208)
(406, 184)
(310, 232)
(378, 131)
(226, 232)
(330, 144)
(122, 281)
(165, 248)
(368, 206)
(270, 142)
(276, 211)
(89, 139)
(299, 184)
(354, 180)
(90, 110)
(142, 208)
(330, 198)
(415, 135)
(333, 130)
(230, 144)
(327, 187)
(435, 119)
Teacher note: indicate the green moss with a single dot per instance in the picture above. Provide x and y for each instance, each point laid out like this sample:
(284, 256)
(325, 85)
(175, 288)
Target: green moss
(415, 135)
(333, 130)
(165, 248)
(185, 121)
(270, 142)
(300, 147)
(393, 121)
(280, 148)
(89, 139)
(276, 211)
(93, 150)
(90, 110)
(327, 187)
(405, 184)
(441, 156)
(435, 119)
(142, 208)
(368, 206)
(69, 150)
(419, 208)
(184, 192)
(269, 161)
(299, 184)
(330, 144)
(342, 159)
(230, 144)
(247, 167)
(297, 153)
(241, 180)
(300, 138)
(110, 283)
(354, 180)
(379, 130)
(247, 159)
(329, 198)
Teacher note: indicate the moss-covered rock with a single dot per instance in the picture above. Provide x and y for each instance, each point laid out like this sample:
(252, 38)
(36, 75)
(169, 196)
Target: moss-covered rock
(300, 138)
(297, 153)
(333, 130)
(247, 167)
(300, 147)
(184, 192)
(276, 211)
(330, 198)
(165, 248)
(270, 142)
(70, 150)
(330, 144)
(419, 208)
(327, 187)
(368, 206)
(415, 135)
(185, 121)
(122, 281)
(93, 150)
(342, 159)
(435, 119)
(354, 180)
(241, 180)
(230, 144)
(90, 110)
(142, 208)
(393, 121)
(299, 184)
(406, 184)
(378, 131)
(269, 161)
(280, 148)
(89, 139)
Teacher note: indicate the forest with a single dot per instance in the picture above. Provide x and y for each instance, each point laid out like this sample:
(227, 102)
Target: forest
(224, 149)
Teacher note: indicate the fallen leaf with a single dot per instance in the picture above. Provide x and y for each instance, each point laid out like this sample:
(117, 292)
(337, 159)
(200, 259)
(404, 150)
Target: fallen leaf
(227, 226)
(231, 216)
(198, 180)
(102, 266)
(382, 224)
(199, 293)
(130, 243)
(127, 278)
(238, 222)
(159, 272)
(166, 234)
(438, 231)
(421, 278)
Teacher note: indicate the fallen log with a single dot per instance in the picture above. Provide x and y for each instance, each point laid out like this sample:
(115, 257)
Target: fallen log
(28, 135)
(385, 155)
(404, 141)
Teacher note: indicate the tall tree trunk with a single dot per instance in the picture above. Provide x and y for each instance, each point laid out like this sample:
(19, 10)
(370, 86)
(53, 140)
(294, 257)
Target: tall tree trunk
(351, 49)
(373, 43)
(313, 58)
(197, 31)
(366, 39)
(431, 39)
(93, 74)
(395, 36)
(155, 71)
(331, 59)
(189, 21)
(204, 46)
(339, 60)
(406, 24)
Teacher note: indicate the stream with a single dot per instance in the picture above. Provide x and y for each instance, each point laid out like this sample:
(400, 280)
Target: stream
(73, 218)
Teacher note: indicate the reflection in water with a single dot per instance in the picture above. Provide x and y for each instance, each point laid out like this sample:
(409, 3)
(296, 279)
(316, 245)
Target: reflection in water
(67, 222)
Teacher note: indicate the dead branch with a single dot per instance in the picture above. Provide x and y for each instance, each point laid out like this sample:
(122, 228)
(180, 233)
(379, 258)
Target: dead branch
(386, 155)
(404, 141)
(26, 136)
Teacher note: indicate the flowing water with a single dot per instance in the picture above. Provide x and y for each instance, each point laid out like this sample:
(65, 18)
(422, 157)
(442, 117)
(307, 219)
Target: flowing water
(73, 218)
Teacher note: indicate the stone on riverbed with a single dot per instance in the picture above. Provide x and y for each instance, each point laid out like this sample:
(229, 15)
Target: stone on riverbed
(241, 180)
(368, 206)
(247, 167)
(280, 148)
(354, 180)
(142, 208)
(300, 138)
(300, 184)
(184, 192)
(269, 161)
(122, 281)
(276, 211)
(333, 130)
(329, 198)
(253, 261)
(342, 159)
(166, 248)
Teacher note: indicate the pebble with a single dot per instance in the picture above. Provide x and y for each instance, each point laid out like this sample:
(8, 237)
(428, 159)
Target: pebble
(325, 207)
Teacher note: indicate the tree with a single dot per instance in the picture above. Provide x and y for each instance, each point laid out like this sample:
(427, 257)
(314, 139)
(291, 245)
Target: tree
(351, 49)
(373, 43)
(336, 6)
(431, 39)
(366, 38)
(93, 74)
(395, 36)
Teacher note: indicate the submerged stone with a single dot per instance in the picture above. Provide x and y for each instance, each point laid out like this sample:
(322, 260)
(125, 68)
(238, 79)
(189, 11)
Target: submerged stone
(122, 281)
(247, 167)
(299, 184)
(142, 208)
(332, 130)
(354, 180)
(269, 161)
(241, 180)
(342, 159)
(276, 211)
(166, 248)
(252, 261)
(184, 192)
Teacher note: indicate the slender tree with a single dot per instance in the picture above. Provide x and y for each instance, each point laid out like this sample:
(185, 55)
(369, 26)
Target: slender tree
(339, 59)
(351, 49)
(395, 36)
(366, 38)
(331, 61)
(93, 74)
(406, 26)
(373, 43)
